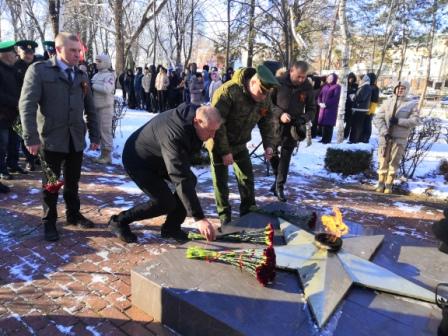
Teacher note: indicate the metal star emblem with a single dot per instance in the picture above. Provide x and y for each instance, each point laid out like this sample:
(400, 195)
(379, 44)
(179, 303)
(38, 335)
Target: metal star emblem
(326, 277)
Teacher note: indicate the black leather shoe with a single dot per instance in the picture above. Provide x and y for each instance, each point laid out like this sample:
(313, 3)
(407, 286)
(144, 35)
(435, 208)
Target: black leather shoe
(280, 194)
(81, 221)
(4, 189)
(179, 235)
(50, 232)
(272, 190)
(31, 166)
(122, 231)
(17, 170)
(6, 176)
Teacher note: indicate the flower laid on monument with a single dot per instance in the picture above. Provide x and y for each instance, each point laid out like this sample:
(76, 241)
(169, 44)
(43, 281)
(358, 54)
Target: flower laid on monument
(263, 236)
(258, 262)
(335, 228)
(53, 183)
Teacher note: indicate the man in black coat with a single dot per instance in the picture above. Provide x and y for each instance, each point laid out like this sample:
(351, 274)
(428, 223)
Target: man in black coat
(9, 98)
(294, 106)
(161, 151)
(26, 50)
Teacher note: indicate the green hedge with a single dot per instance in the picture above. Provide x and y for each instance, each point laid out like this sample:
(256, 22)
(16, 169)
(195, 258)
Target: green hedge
(348, 162)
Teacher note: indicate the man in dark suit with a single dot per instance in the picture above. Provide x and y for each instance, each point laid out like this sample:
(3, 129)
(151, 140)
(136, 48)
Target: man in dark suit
(161, 152)
(55, 96)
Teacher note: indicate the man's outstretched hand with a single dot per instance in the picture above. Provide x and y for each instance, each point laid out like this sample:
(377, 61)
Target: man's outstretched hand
(206, 229)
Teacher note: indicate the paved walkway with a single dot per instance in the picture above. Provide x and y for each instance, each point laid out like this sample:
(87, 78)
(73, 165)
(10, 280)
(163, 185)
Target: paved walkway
(81, 284)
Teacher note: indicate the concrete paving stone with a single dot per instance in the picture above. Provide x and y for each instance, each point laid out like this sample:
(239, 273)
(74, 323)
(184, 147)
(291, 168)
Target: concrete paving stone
(138, 315)
(136, 328)
(113, 314)
(107, 328)
(96, 303)
(119, 301)
(121, 287)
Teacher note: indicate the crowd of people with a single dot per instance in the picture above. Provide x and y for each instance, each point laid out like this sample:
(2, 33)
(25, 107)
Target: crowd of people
(57, 98)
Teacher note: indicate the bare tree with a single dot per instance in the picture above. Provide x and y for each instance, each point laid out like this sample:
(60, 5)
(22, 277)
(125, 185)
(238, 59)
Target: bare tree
(345, 69)
(54, 8)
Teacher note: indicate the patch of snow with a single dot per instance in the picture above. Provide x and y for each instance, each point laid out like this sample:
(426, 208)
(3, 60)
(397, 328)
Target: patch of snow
(98, 278)
(93, 331)
(103, 254)
(64, 329)
(33, 191)
(407, 207)
(13, 196)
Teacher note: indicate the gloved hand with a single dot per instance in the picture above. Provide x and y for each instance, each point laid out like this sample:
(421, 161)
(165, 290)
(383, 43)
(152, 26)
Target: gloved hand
(393, 121)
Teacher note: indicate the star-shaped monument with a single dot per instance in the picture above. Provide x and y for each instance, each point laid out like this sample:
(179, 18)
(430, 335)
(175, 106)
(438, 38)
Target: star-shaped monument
(326, 276)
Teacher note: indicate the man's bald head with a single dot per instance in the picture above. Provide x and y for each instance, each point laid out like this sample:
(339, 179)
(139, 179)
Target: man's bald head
(207, 121)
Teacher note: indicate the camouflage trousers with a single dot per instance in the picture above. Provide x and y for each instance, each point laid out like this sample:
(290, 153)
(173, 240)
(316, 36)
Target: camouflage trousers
(389, 158)
(245, 178)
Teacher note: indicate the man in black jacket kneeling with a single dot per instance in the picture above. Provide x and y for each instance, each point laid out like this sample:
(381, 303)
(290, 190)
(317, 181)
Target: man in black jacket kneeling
(161, 151)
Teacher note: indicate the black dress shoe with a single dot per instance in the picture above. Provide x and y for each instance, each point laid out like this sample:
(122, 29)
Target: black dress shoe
(17, 170)
(31, 166)
(6, 176)
(122, 231)
(4, 189)
(178, 235)
(81, 221)
(280, 194)
(272, 190)
(50, 232)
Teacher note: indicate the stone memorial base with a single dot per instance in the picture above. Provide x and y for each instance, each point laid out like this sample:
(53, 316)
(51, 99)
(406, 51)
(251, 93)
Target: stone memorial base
(195, 297)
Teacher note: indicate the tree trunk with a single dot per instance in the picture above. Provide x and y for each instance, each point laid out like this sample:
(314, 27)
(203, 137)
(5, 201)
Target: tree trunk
(154, 47)
(54, 7)
(345, 70)
(190, 48)
(387, 36)
(430, 43)
(119, 38)
(251, 34)
(228, 35)
(327, 62)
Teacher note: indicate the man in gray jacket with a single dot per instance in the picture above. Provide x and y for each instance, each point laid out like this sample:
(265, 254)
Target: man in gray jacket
(54, 97)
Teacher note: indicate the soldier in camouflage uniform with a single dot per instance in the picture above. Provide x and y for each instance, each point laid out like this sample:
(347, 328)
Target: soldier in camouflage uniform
(242, 102)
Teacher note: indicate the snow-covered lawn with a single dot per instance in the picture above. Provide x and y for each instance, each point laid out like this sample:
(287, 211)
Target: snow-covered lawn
(307, 161)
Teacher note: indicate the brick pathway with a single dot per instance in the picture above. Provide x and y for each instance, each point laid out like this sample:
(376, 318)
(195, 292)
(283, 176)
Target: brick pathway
(81, 284)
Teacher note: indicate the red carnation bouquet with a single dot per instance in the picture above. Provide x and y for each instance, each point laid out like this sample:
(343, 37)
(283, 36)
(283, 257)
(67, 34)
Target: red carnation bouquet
(263, 236)
(258, 262)
(53, 183)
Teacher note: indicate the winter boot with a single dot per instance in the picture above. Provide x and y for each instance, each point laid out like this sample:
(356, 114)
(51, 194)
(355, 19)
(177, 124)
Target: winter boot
(4, 189)
(388, 188)
(272, 190)
(381, 180)
(105, 158)
(177, 234)
(122, 231)
(280, 194)
(50, 232)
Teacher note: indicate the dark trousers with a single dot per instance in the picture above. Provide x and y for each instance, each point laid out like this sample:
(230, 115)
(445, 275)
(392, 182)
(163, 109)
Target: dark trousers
(4, 140)
(327, 134)
(12, 160)
(71, 168)
(348, 122)
(162, 202)
(357, 126)
(161, 97)
(281, 159)
(367, 129)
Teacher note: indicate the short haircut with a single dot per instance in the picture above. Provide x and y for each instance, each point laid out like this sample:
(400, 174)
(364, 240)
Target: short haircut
(301, 65)
(62, 37)
(209, 114)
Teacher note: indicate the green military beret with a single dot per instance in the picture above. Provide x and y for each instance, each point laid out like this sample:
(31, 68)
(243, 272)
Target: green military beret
(49, 46)
(266, 77)
(27, 45)
(6, 46)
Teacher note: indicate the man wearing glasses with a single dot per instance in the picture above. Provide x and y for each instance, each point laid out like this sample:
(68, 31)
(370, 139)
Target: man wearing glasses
(243, 102)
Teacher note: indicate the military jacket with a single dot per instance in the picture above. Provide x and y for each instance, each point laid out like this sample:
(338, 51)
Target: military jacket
(240, 114)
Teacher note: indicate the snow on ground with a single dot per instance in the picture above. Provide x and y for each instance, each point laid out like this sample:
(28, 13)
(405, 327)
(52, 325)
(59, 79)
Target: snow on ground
(307, 161)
